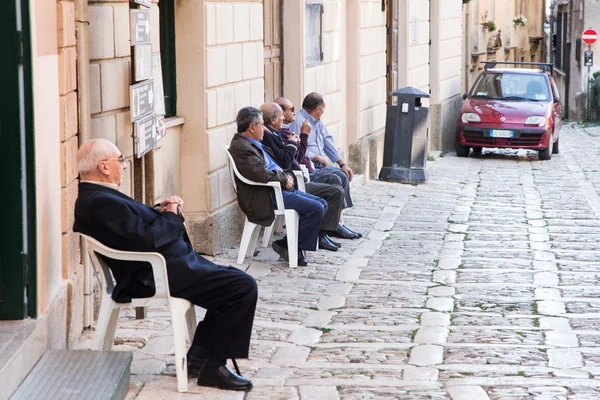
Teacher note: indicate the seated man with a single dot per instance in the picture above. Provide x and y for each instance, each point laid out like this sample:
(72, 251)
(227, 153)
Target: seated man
(228, 294)
(285, 151)
(320, 144)
(257, 163)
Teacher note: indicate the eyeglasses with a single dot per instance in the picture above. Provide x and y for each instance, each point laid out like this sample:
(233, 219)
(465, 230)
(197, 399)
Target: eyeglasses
(120, 159)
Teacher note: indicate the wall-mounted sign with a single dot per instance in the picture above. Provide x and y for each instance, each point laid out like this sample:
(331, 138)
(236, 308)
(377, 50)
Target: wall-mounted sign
(144, 135)
(140, 27)
(588, 58)
(142, 61)
(161, 127)
(141, 99)
(145, 3)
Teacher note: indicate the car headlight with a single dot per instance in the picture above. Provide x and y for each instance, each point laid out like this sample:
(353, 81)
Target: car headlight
(470, 117)
(535, 121)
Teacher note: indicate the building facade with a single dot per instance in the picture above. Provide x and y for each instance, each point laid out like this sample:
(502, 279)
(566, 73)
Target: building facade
(68, 80)
(568, 20)
(501, 30)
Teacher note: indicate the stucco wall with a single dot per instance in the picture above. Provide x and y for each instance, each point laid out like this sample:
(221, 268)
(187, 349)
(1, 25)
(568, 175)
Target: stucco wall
(47, 90)
(219, 70)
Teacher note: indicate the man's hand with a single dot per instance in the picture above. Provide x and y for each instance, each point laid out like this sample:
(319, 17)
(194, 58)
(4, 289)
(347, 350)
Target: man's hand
(306, 127)
(290, 183)
(348, 172)
(321, 160)
(293, 138)
(170, 204)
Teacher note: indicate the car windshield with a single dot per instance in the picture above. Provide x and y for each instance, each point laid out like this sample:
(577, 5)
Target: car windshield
(511, 86)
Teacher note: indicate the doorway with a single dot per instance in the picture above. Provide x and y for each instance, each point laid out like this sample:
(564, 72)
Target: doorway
(391, 47)
(272, 39)
(18, 297)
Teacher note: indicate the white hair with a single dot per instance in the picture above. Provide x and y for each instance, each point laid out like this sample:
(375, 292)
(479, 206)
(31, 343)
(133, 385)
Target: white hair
(270, 112)
(91, 152)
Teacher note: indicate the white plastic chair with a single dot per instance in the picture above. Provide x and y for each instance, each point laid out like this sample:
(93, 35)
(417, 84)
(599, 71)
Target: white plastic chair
(251, 230)
(182, 311)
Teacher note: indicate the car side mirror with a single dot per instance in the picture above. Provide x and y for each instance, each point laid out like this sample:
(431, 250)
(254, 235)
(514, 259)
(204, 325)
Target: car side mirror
(464, 96)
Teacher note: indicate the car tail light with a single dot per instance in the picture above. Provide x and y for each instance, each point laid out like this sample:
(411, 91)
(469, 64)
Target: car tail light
(470, 117)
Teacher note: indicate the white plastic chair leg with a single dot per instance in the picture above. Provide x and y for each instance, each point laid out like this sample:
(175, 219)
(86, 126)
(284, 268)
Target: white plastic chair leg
(279, 225)
(190, 319)
(253, 241)
(292, 220)
(178, 322)
(249, 229)
(106, 325)
(271, 229)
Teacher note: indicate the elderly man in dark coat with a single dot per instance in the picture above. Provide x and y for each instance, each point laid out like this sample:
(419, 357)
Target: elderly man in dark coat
(256, 162)
(228, 294)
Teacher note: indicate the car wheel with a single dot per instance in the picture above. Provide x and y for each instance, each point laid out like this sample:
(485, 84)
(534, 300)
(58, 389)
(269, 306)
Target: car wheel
(545, 154)
(462, 151)
(477, 150)
(555, 148)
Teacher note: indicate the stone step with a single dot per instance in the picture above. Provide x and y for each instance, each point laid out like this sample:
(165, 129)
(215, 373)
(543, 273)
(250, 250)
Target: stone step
(78, 374)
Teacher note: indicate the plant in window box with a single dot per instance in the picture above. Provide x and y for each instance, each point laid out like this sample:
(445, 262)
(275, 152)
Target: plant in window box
(489, 25)
(520, 20)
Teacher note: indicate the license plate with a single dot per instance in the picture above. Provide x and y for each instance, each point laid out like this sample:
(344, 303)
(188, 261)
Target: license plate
(501, 133)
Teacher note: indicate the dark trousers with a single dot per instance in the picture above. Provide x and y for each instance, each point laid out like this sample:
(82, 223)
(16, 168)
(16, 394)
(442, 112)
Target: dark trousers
(333, 176)
(334, 196)
(229, 296)
(312, 210)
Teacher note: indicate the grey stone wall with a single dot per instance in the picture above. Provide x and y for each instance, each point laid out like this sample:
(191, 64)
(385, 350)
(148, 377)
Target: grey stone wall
(443, 118)
(217, 232)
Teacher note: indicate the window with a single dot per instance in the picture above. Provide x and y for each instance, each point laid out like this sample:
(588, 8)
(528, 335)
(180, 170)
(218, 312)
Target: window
(314, 33)
(167, 55)
(561, 37)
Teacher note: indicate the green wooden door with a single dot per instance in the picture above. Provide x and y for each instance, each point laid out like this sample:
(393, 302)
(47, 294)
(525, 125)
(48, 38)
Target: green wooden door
(17, 212)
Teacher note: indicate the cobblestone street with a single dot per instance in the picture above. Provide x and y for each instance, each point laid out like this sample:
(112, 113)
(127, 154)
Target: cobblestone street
(480, 284)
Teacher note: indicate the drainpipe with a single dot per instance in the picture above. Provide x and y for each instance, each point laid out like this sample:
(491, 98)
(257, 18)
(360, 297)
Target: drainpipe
(83, 91)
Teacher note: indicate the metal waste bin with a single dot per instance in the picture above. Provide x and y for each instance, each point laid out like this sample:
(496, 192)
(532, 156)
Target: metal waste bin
(406, 135)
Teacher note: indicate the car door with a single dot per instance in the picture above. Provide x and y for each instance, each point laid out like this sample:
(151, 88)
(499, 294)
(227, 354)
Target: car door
(557, 109)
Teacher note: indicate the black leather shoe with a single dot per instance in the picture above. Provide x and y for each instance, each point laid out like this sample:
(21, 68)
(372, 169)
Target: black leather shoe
(223, 378)
(338, 244)
(194, 365)
(351, 231)
(281, 250)
(325, 243)
(343, 233)
(302, 259)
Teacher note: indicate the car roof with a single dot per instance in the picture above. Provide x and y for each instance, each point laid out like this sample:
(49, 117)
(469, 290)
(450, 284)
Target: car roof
(516, 70)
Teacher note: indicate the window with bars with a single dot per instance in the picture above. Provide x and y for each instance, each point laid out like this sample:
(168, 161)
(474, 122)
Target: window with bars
(313, 41)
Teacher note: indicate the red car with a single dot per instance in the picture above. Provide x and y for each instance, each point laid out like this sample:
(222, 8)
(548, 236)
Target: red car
(513, 108)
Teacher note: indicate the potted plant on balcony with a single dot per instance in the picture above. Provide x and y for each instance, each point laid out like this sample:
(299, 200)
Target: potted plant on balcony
(520, 20)
(489, 25)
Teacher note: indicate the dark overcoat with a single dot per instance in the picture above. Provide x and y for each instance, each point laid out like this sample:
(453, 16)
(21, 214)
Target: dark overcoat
(256, 201)
(122, 223)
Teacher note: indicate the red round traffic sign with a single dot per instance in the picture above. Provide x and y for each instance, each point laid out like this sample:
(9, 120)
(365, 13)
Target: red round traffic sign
(589, 36)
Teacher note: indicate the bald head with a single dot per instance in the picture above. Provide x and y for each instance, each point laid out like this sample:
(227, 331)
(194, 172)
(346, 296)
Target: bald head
(91, 153)
(289, 113)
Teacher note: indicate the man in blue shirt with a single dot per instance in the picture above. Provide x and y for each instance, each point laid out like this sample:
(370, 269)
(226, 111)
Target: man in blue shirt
(321, 147)
(257, 163)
